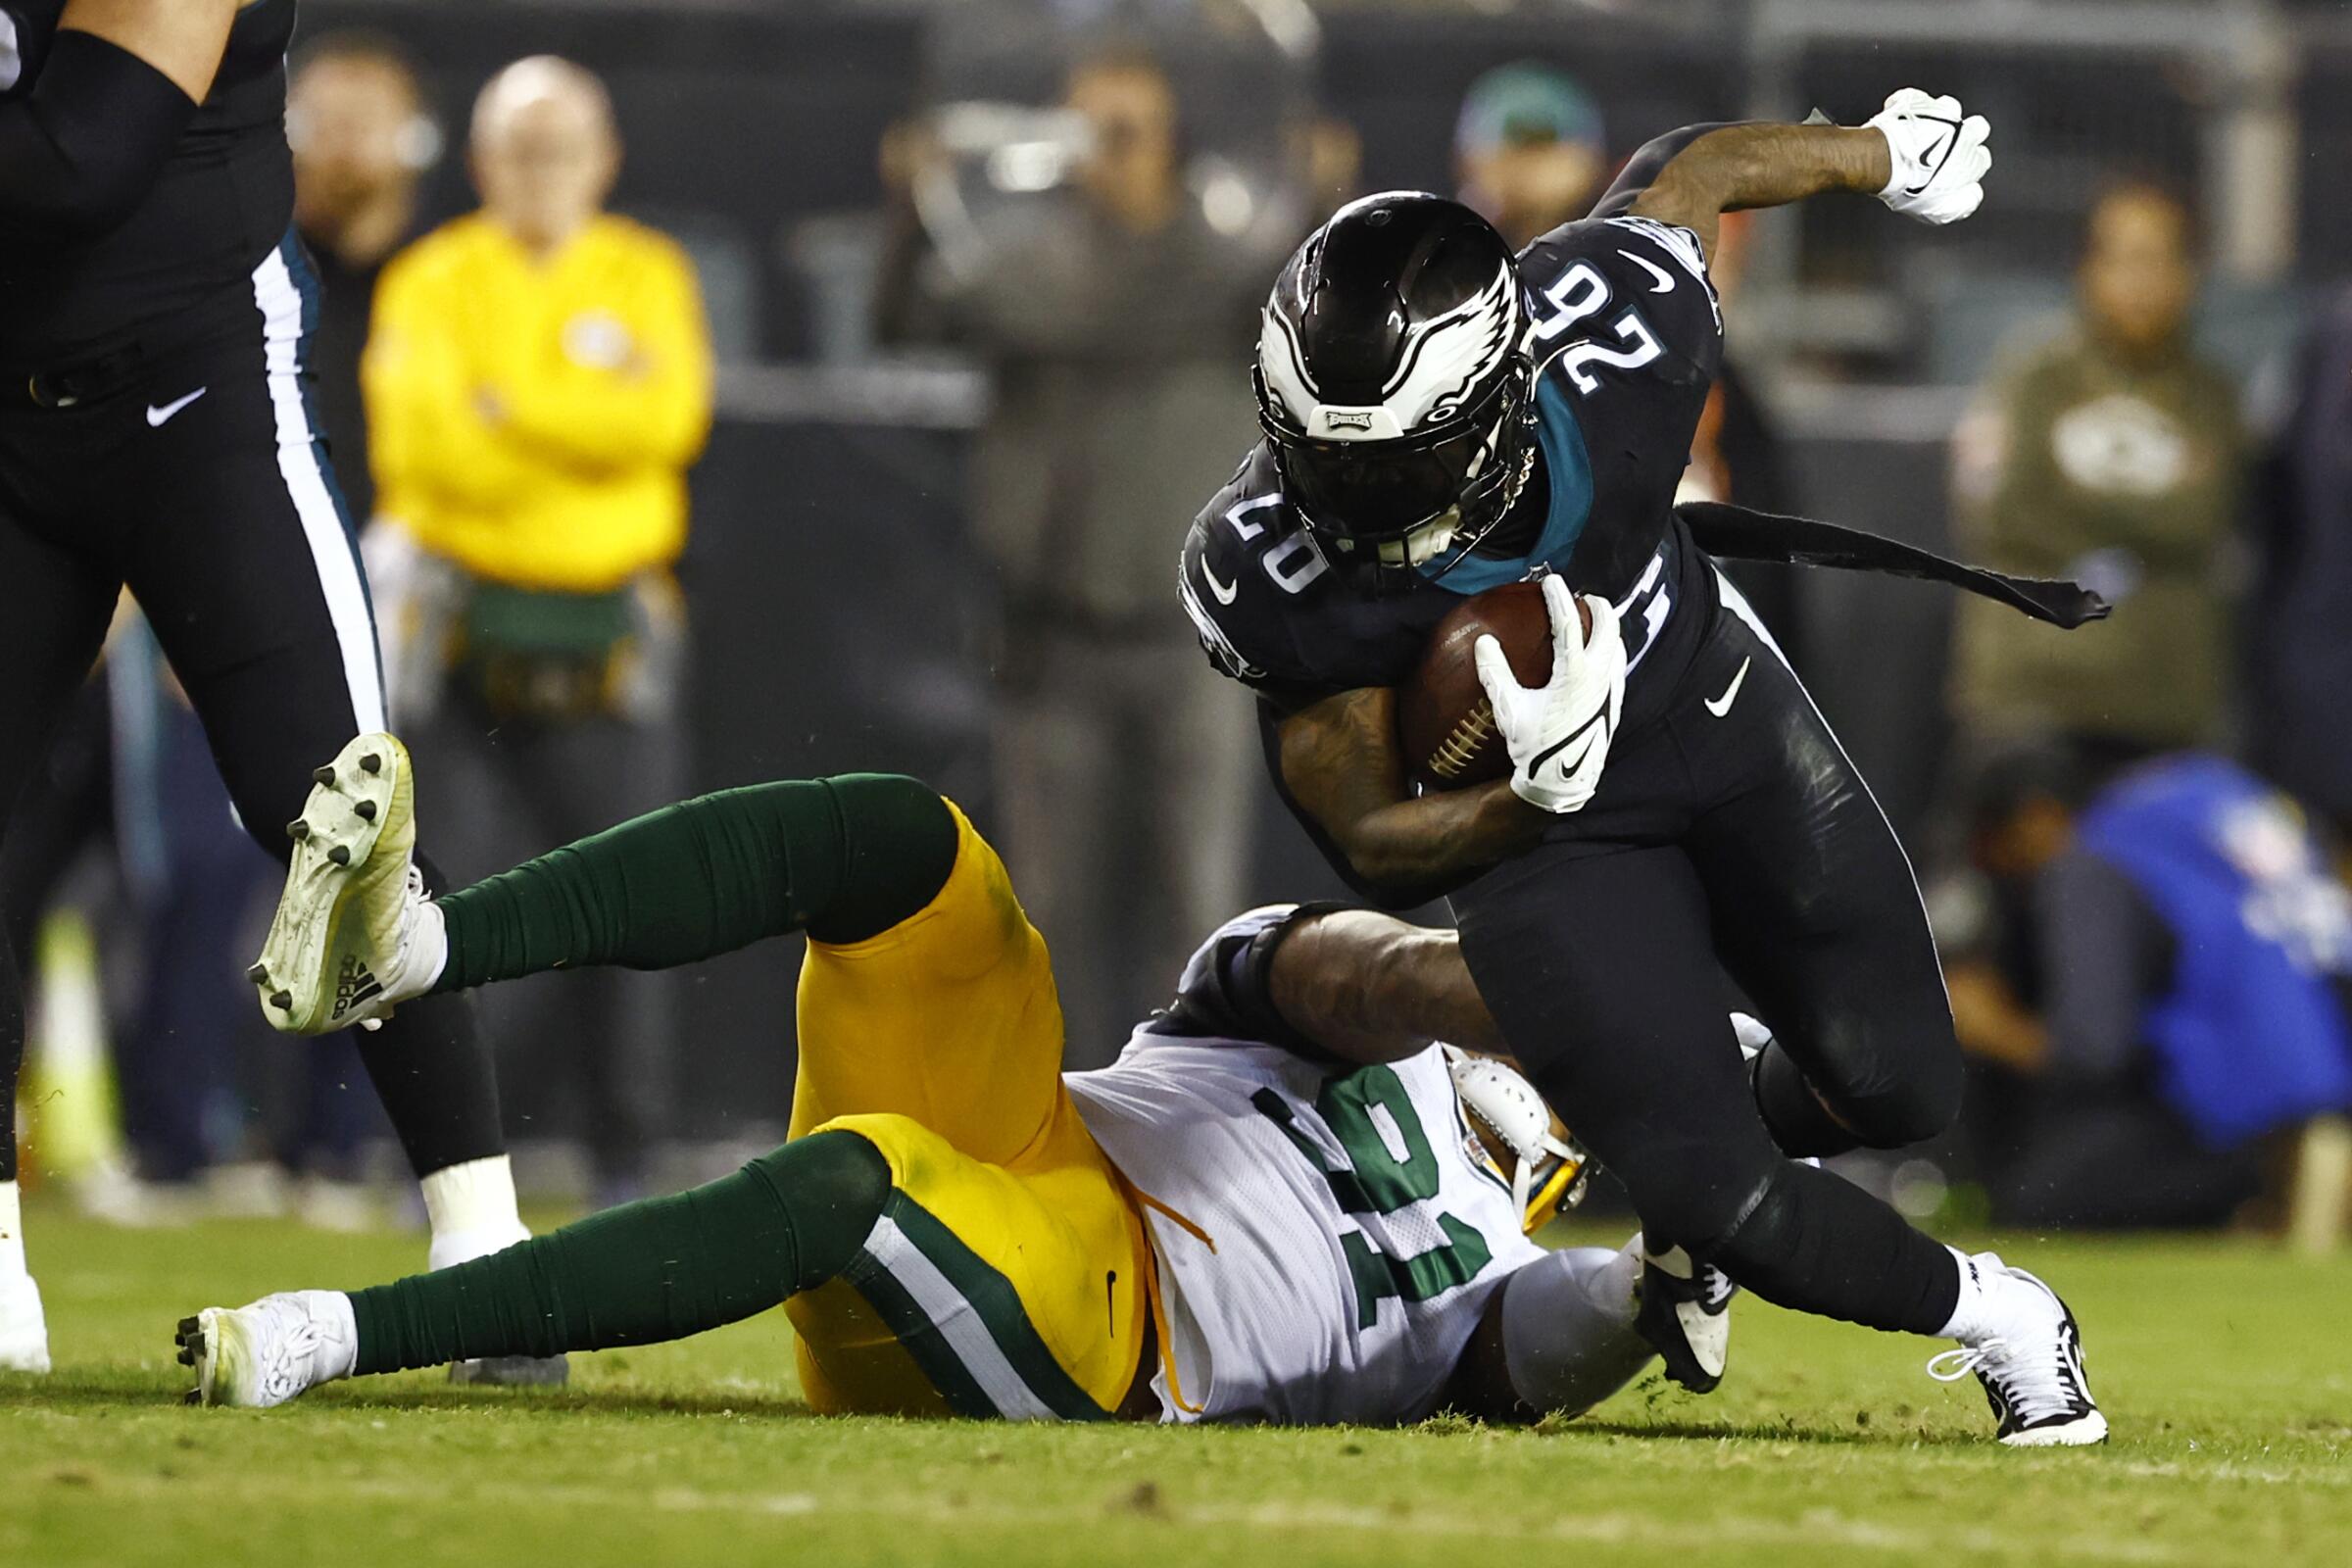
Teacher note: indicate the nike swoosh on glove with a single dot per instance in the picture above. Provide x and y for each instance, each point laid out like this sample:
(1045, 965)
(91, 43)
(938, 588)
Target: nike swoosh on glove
(1939, 156)
(1558, 733)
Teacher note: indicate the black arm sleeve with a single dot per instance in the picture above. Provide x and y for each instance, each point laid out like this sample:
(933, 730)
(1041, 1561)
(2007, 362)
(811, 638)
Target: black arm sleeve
(80, 151)
(1227, 992)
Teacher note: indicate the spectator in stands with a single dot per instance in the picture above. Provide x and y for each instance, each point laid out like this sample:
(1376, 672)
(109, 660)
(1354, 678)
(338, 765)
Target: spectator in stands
(1529, 150)
(2162, 981)
(2301, 644)
(362, 141)
(1113, 317)
(2108, 453)
(538, 381)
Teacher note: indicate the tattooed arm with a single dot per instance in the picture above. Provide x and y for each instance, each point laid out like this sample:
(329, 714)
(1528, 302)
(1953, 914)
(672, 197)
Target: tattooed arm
(1691, 178)
(1340, 764)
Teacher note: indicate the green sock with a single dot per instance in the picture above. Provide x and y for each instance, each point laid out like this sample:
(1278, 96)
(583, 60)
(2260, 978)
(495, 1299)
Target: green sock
(843, 858)
(658, 1269)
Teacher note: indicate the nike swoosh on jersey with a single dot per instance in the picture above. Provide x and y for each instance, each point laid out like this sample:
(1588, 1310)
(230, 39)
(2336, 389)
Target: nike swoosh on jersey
(1720, 705)
(156, 416)
(1665, 280)
(1225, 595)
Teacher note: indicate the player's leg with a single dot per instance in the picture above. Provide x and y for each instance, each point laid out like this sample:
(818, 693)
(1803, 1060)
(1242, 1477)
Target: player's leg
(240, 551)
(1599, 973)
(1816, 915)
(657, 1270)
(54, 608)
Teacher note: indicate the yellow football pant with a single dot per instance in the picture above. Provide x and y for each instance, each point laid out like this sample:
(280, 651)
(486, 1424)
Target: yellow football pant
(1006, 1276)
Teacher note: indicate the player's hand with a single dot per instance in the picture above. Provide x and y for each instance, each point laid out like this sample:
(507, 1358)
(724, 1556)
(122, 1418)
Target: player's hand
(1558, 733)
(1938, 154)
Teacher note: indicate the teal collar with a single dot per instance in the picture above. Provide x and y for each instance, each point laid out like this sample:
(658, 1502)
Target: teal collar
(1568, 470)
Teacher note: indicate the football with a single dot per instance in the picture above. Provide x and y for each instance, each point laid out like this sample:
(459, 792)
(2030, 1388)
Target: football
(1444, 722)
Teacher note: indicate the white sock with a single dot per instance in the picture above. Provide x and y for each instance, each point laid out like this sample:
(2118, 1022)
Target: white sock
(423, 949)
(12, 1230)
(339, 1348)
(1990, 1302)
(473, 1211)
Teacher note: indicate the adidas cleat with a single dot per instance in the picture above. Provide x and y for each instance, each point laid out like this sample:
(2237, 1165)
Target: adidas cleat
(348, 941)
(277, 1350)
(1683, 1308)
(2033, 1376)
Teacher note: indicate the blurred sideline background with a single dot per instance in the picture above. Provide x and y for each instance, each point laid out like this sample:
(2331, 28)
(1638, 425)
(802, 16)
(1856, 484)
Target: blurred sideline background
(860, 587)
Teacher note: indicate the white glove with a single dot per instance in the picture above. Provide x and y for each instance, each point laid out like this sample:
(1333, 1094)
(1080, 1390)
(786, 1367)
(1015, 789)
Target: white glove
(1939, 156)
(1558, 733)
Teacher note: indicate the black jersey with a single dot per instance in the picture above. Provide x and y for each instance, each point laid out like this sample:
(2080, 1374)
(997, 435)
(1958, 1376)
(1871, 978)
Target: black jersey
(221, 202)
(1626, 336)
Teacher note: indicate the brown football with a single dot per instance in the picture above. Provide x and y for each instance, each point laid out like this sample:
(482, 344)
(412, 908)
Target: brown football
(1444, 722)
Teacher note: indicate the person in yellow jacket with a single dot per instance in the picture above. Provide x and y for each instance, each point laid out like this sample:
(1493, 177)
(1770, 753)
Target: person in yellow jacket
(538, 380)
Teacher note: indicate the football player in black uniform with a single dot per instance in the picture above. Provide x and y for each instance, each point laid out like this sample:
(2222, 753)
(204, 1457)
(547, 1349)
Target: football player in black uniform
(157, 431)
(1442, 418)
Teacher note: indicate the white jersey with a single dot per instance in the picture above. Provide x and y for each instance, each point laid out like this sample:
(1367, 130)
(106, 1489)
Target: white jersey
(1340, 1235)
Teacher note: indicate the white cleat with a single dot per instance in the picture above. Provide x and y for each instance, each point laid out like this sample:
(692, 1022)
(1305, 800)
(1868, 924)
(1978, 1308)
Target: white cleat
(2033, 1375)
(354, 934)
(23, 1330)
(281, 1347)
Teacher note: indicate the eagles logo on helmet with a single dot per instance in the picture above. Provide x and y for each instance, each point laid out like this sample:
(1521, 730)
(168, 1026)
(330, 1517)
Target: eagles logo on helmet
(1394, 385)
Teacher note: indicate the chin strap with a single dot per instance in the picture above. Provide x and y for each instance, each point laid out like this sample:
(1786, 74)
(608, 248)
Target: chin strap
(1547, 1169)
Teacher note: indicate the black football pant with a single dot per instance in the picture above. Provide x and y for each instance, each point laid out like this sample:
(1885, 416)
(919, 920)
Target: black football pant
(1732, 836)
(196, 477)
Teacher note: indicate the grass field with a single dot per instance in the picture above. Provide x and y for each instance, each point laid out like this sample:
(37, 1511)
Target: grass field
(2224, 1367)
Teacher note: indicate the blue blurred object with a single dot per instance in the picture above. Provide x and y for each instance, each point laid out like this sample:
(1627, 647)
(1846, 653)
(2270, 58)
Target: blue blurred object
(1526, 103)
(2250, 1035)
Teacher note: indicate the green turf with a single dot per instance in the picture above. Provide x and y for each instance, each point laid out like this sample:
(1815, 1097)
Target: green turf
(2224, 1367)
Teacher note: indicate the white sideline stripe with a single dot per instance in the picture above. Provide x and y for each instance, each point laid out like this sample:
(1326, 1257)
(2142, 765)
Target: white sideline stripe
(957, 1321)
(1737, 603)
(279, 301)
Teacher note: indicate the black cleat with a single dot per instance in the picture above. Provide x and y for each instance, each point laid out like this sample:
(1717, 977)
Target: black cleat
(371, 763)
(366, 811)
(340, 854)
(298, 830)
(259, 974)
(1683, 1308)
(323, 775)
(190, 1339)
(282, 1001)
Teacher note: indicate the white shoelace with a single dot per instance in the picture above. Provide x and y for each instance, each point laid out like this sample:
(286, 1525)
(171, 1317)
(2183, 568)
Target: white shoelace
(288, 1369)
(2034, 1387)
(1716, 1289)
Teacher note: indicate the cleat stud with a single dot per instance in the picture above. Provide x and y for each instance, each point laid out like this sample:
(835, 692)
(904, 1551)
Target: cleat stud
(340, 854)
(371, 763)
(257, 974)
(283, 1001)
(298, 830)
(366, 811)
(187, 1356)
(323, 775)
(187, 1326)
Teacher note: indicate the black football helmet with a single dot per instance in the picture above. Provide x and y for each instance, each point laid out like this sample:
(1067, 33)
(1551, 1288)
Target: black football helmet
(1394, 382)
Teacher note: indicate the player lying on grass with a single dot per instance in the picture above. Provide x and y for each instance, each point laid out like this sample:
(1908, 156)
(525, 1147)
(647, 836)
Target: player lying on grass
(1284, 1202)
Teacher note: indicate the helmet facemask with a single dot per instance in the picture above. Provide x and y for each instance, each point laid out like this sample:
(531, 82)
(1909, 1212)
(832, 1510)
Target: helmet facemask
(1390, 508)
